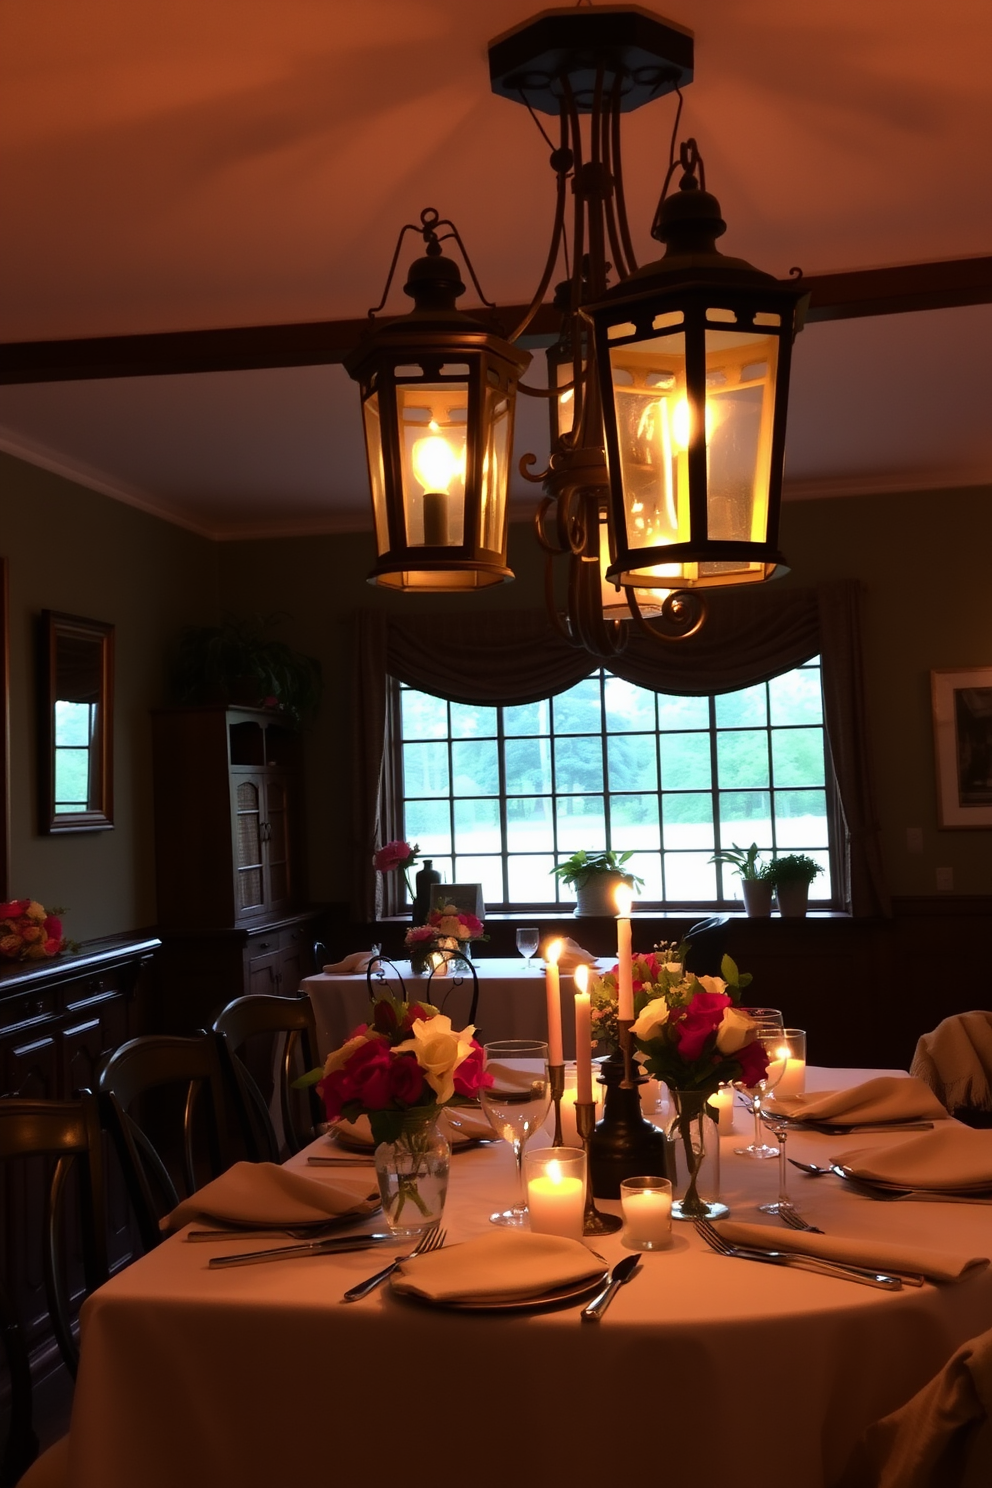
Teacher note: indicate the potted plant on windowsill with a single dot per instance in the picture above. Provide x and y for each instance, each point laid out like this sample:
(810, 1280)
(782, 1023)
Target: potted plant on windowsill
(237, 662)
(595, 877)
(791, 876)
(755, 877)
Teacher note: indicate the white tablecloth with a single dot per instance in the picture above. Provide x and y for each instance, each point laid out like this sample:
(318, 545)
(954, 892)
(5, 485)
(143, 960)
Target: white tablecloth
(511, 1001)
(704, 1369)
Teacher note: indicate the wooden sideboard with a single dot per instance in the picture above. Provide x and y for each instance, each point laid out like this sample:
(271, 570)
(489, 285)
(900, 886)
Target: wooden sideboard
(57, 1019)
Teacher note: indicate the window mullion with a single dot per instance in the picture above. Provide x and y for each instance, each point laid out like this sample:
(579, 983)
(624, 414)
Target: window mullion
(503, 830)
(722, 895)
(604, 753)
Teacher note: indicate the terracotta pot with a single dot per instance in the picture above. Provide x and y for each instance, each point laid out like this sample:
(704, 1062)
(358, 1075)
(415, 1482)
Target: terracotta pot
(757, 898)
(793, 899)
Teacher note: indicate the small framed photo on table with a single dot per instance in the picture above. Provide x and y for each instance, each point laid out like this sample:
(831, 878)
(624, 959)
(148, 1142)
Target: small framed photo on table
(466, 897)
(962, 723)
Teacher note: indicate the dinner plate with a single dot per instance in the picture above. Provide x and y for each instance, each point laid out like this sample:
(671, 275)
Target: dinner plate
(978, 1191)
(573, 1292)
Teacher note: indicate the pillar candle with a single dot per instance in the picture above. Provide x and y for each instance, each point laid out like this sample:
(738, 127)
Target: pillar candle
(625, 997)
(583, 1037)
(793, 1081)
(556, 1202)
(551, 988)
(647, 1215)
(723, 1100)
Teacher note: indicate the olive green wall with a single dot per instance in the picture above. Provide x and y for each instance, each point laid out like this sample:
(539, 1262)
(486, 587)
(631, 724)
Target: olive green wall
(74, 550)
(918, 615)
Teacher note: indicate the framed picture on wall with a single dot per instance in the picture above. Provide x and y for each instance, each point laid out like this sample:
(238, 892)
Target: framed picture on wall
(467, 897)
(962, 722)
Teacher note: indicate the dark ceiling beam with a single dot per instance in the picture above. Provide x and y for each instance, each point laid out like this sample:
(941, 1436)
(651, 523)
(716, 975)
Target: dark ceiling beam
(928, 286)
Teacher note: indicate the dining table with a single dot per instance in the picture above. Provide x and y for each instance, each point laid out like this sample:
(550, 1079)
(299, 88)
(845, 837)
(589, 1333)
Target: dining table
(512, 999)
(705, 1368)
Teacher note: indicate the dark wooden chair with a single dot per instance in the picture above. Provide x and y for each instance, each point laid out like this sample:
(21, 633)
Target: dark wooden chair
(241, 1023)
(192, 1068)
(68, 1131)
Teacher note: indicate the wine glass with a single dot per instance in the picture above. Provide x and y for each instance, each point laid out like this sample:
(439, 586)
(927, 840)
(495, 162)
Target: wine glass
(516, 1104)
(528, 940)
(770, 1037)
(783, 1204)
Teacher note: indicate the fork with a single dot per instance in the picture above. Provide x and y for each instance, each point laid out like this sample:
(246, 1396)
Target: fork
(795, 1221)
(431, 1239)
(839, 1269)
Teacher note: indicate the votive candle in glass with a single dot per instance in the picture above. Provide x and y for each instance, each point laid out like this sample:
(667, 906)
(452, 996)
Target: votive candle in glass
(723, 1099)
(647, 1213)
(792, 1049)
(555, 1178)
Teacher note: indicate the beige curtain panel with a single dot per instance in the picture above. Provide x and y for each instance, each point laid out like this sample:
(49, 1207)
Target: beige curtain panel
(514, 657)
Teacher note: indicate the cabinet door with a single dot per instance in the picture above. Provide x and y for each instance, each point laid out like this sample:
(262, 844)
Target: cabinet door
(248, 793)
(30, 1069)
(276, 841)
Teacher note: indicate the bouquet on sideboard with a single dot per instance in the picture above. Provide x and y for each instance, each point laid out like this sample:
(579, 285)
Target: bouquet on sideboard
(30, 932)
(448, 930)
(396, 855)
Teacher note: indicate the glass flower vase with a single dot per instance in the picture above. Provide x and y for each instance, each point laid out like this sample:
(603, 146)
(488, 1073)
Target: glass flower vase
(411, 1168)
(694, 1144)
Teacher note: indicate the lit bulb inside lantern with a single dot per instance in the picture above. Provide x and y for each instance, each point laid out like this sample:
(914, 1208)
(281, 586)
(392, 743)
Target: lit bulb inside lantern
(682, 422)
(435, 463)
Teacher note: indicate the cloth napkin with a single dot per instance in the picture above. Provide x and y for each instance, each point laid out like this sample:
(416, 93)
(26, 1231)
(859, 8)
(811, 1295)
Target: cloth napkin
(505, 1267)
(573, 955)
(260, 1194)
(955, 1060)
(357, 961)
(949, 1159)
(886, 1098)
(462, 1124)
(880, 1255)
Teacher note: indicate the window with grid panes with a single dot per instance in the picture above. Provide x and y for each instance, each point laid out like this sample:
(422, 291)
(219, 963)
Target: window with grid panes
(500, 796)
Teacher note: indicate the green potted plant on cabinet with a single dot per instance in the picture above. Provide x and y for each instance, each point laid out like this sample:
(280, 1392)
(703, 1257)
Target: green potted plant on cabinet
(755, 877)
(238, 662)
(595, 876)
(792, 875)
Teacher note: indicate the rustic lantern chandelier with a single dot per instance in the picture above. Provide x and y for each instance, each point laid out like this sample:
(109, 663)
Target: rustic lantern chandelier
(667, 388)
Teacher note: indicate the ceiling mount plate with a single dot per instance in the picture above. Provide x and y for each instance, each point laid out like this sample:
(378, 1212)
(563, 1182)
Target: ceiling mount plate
(652, 57)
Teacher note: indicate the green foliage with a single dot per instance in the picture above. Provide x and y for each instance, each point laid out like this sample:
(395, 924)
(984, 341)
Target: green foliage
(237, 661)
(793, 868)
(746, 862)
(582, 866)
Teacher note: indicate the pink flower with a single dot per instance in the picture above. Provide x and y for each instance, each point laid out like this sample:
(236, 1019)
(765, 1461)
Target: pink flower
(406, 1079)
(471, 922)
(14, 909)
(419, 934)
(754, 1063)
(394, 855)
(470, 1076)
(702, 1018)
(53, 927)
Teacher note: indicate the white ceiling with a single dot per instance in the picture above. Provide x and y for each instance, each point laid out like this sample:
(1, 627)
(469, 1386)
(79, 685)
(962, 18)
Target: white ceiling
(181, 166)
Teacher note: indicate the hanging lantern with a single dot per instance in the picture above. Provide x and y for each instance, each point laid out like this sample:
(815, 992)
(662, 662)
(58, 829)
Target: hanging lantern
(693, 356)
(438, 391)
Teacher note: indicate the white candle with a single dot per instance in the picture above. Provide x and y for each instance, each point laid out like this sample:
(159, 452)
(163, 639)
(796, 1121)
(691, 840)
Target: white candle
(551, 988)
(793, 1081)
(625, 994)
(583, 1037)
(647, 1214)
(723, 1100)
(556, 1202)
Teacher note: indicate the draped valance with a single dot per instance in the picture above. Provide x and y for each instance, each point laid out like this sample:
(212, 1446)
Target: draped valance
(511, 657)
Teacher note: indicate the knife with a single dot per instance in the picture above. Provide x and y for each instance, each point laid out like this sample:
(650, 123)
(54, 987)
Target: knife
(621, 1272)
(285, 1252)
(835, 1129)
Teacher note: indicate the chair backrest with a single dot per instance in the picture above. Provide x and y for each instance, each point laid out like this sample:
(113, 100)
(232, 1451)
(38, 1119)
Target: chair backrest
(707, 945)
(436, 988)
(70, 1132)
(247, 1018)
(146, 1064)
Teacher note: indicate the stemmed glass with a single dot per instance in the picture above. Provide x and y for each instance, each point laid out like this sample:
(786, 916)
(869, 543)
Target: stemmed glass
(516, 1104)
(783, 1202)
(528, 940)
(769, 1034)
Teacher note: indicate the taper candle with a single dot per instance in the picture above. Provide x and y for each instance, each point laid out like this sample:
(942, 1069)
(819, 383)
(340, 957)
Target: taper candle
(583, 1037)
(551, 988)
(625, 996)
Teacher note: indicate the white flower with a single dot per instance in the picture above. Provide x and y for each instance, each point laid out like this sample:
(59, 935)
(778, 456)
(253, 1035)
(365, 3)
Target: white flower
(735, 1030)
(674, 968)
(712, 984)
(338, 1057)
(439, 1051)
(653, 1016)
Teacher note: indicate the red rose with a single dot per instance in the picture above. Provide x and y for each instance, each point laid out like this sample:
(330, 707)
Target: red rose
(406, 1079)
(367, 1075)
(702, 1017)
(471, 922)
(394, 855)
(753, 1060)
(14, 909)
(416, 1010)
(470, 1076)
(53, 927)
(383, 1018)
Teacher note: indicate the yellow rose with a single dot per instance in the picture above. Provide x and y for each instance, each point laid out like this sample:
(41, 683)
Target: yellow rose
(735, 1031)
(651, 1019)
(341, 1056)
(35, 911)
(439, 1051)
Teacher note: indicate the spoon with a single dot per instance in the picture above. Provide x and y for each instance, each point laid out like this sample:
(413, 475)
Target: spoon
(810, 1168)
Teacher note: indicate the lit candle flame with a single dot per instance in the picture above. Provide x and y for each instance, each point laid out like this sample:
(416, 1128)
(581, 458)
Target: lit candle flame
(553, 1170)
(552, 951)
(436, 463)
(623, 897)
(581, 977)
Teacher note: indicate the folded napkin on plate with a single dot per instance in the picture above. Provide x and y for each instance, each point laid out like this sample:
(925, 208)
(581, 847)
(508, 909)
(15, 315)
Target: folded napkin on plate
(879, 1255)
(505, 1267)
(260, 1194)
(573, 955)
(462, 1124)
(886, 1098)
(949, 1159)
(357, 961)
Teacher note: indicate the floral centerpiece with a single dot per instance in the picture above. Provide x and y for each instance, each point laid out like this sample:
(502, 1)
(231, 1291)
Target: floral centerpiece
(397, 855)
(447, 931)
(29, 932)
(399, 1070)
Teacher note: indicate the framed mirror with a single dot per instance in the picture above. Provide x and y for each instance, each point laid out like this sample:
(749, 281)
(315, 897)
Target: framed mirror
(77, 734)
(4, 736)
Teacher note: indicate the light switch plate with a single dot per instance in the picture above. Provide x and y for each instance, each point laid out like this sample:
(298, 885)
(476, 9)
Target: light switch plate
(914, 839)
(945, 880)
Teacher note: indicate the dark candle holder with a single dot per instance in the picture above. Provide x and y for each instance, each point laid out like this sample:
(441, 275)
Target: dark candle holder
(594, 1221)
(627, 1050)
(556, 1075)
(624, 1144)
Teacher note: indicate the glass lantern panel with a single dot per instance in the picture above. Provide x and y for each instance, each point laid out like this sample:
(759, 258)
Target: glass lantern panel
(564, 372)
(495, 469)
(377, 479)
(433, 424)
(653, 426)
(740, 401)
